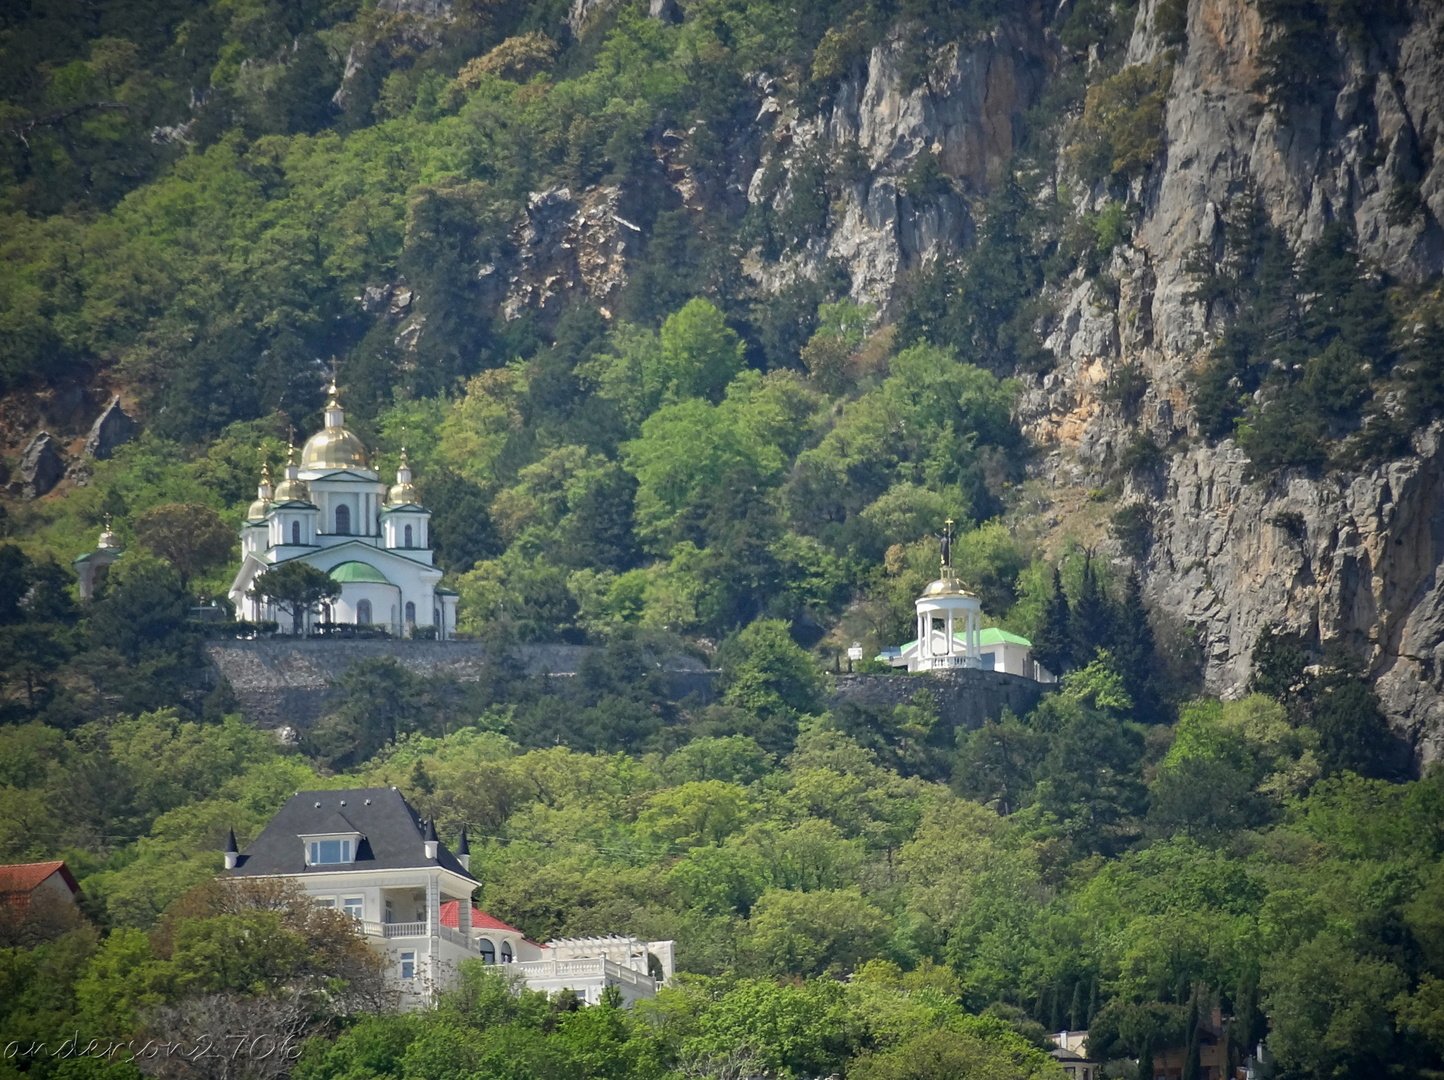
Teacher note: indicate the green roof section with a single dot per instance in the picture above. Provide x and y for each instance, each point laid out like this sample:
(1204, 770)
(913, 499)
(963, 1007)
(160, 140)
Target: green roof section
(993, 636)
(356, 571)
(990, 635)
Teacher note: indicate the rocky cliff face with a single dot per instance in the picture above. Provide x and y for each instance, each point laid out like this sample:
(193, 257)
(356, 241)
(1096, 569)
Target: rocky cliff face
(1351, 561)
(965, 112)
(1348, 560)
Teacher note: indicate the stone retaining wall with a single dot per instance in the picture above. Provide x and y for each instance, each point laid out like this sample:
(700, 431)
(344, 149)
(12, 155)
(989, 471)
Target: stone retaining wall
(963, 698)
(280, 681)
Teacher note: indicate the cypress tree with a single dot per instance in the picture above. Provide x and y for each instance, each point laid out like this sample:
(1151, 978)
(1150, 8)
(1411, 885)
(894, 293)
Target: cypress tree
(1053, 643)
(1091, 618)
(1077, 1019)
(1191, 1069)
(1134, 648)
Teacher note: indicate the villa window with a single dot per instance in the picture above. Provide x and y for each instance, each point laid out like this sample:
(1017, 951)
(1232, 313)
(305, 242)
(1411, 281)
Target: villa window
(328, 852)
(410, 613)
(354, 906)
(506, 952)
(488, 951)
(363, 613)
(295, 532)
(343, 520)
(327, 902)
(408, 964)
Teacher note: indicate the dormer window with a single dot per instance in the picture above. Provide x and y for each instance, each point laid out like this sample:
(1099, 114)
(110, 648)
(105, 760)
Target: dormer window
(325, 852)
(331, 849)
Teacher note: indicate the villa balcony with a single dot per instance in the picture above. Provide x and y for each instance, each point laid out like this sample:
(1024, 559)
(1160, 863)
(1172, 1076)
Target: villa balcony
(393, 930)
(551, 975)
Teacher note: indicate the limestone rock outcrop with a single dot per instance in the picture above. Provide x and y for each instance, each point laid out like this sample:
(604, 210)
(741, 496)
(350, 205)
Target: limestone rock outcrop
(112, 429)
(565, 243)
(42, 466)
(1347, 561)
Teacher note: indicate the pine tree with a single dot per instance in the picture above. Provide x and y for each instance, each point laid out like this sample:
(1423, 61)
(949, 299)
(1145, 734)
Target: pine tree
(1053, 643)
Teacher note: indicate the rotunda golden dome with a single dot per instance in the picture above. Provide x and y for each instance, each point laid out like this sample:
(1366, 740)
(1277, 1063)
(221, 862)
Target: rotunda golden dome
(947, 586)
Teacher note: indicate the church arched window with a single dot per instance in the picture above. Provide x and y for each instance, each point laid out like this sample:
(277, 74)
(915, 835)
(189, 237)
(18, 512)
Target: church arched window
(343, 520)
(295, 532)
(506, 952)
(410, 613)
(488, 951)
(407, 541)
(363, 613)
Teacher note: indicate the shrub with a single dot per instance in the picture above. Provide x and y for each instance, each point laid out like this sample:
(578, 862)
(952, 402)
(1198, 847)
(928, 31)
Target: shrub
(1121, 133)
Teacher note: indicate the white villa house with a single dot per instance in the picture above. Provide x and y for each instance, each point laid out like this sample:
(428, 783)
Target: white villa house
(333, 512)
(366, 852)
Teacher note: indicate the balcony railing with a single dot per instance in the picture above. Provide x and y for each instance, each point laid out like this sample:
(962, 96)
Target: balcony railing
(599, 968)
(417, 929)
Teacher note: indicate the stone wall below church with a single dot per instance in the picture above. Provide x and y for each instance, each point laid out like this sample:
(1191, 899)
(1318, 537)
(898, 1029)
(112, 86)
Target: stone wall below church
(284, 682)
(963, 698)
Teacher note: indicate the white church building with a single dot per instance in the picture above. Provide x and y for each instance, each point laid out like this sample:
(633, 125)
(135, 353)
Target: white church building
(333, 512)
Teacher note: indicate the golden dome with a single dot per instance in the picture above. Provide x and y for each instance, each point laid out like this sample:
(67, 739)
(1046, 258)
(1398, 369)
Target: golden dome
(262, 506)
(947, 586)
(291, 490)
(333, 447)
(403, 492)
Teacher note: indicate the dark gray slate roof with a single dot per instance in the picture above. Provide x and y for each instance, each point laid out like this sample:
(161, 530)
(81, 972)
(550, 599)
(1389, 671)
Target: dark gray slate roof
(391, 834)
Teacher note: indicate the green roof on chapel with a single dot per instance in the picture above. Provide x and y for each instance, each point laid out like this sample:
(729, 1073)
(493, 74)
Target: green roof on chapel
(356, 571)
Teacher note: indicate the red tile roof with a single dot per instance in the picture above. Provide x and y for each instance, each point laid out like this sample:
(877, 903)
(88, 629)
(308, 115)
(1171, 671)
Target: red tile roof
(19, 880)
(26, 877)
(480, 920)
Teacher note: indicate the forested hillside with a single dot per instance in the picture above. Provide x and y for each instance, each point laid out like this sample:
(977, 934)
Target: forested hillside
(697, 319)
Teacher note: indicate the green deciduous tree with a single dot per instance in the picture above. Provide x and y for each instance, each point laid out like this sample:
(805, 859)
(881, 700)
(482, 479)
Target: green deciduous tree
(189, 536)
(298, 589)
(769, 676)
